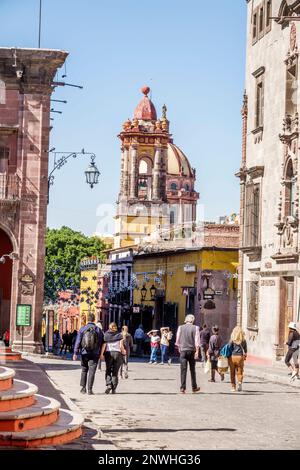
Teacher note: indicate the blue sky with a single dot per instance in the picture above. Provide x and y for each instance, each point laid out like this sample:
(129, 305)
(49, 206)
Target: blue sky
(191, 53)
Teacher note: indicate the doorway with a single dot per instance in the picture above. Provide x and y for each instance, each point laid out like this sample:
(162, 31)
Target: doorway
(287, 310)
(6, 248)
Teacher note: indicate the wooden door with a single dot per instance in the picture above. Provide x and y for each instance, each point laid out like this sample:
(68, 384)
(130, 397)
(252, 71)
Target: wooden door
(287, 289)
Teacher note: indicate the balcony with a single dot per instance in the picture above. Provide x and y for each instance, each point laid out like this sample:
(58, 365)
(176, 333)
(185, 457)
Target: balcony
(9, 189)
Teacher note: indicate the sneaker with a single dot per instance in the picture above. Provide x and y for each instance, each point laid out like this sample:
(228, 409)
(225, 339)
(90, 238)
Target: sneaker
(169, 362)
(126, 375)
(150, 362)
(222, 377)
(161, 363)
(108, 390)
(239, 389)
(155, 362)
(233, 389)
(196, 390)
(90, 392)
(83, 390)
(294, 375)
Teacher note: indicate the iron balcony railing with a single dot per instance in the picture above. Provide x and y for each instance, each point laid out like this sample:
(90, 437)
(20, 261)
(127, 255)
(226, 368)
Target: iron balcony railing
(9, 187)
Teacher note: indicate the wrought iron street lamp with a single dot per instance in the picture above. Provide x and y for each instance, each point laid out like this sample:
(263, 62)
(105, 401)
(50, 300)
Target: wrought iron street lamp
(92, 173)
(144, 291)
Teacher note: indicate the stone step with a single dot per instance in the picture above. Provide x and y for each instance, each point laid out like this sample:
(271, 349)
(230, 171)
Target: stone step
(20, 395)
(66, 429)
(6, 354)
(44, 412)
(6, 378)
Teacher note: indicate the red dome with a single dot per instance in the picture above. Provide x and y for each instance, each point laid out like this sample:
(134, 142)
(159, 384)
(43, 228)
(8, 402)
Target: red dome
(145, 110)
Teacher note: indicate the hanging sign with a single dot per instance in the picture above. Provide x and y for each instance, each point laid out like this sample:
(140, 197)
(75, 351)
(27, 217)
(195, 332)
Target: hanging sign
(209, 294)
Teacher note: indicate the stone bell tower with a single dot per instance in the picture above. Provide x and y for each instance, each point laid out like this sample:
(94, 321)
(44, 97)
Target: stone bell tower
(157, 192)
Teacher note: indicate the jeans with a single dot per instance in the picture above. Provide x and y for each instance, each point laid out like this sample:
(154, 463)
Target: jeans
(114, 360)
(203, 350)
(88, 369)
(164, 353)
(139, 345)
(188, 357)
(153, 357)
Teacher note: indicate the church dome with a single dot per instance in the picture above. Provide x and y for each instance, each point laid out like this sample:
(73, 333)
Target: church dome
(178, 163)
(145, 110)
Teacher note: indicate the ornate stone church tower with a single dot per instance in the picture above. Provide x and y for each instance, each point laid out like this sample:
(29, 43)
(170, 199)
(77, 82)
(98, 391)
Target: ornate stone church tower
(157, 182)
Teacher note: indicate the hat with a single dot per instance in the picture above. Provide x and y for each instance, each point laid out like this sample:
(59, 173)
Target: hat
(293, 326)
(155, 331)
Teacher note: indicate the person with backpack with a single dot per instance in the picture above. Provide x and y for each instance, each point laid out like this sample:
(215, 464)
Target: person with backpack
(88, 342)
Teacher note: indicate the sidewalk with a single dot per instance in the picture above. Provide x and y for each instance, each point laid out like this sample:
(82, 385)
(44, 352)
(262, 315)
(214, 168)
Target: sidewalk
(277, 373)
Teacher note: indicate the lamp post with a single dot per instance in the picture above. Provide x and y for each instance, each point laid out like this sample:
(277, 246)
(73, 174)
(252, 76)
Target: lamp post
(92, 173)
(11, 256)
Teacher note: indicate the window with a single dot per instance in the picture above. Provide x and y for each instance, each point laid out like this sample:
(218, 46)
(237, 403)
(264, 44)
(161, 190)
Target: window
(290, 189)
(4, 155)
(186, 187)
(252, 216)
(291, 90)
(173, 186)
(254, 28)
(252, 304)
(261, 21)
(259, 105)
(268, 14)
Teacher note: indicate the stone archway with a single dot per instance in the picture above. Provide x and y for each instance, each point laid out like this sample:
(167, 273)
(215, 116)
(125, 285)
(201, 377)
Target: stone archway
(6, 270)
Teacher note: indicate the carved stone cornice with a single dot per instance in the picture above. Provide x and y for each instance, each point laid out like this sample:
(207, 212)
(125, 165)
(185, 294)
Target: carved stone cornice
(253, 252)
(290, 257)
(256, 172)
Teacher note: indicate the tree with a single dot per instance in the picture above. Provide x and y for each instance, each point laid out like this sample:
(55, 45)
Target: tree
(65, 249)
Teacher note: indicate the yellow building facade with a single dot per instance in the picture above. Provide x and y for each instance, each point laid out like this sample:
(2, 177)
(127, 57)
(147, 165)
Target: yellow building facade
(172, 284)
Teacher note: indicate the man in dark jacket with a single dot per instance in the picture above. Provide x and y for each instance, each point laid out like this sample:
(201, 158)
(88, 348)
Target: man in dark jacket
(188, 343)
(89, 333)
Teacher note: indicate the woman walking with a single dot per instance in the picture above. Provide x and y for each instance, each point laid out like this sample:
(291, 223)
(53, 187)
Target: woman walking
(112, 351)
(213, 353)
(293, 344)
(128, 344)
(236, 361)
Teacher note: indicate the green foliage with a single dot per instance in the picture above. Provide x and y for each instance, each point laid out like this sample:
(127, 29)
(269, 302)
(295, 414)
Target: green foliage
(65, 249)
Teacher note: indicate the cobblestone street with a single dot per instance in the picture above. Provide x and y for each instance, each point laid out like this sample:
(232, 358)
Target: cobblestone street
(149, 413)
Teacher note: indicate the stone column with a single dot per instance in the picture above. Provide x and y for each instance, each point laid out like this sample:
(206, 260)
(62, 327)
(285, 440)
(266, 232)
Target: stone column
(125, 173)
(242, 176)
(157, 174)
(133, 173)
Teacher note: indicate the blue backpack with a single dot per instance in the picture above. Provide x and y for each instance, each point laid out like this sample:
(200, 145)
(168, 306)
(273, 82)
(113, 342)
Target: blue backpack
(226, 350)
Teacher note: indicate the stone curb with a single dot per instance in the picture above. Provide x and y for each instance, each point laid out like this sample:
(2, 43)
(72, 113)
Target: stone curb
(271, 377)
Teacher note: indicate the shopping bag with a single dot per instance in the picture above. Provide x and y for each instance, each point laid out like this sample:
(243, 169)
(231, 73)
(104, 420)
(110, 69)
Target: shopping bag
(222, 362)
(207, 367)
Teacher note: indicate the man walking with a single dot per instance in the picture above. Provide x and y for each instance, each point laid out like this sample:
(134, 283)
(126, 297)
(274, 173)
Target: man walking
(139, 337)
(89, 341)
(204, 341)
(188, 343)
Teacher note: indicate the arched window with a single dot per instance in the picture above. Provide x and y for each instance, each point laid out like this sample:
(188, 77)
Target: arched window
(173, 187)
(290, 189)
(143, 168)
(187, 187)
